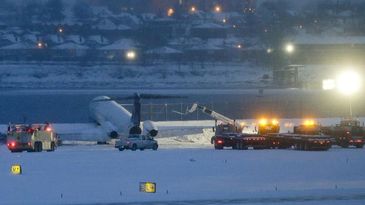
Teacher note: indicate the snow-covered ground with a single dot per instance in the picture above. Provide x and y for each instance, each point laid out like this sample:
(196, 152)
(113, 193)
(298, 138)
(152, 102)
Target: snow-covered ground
(198, 75)
(102, 174)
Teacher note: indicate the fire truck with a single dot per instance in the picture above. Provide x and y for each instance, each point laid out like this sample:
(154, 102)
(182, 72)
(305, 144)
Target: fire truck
(348, 133)
(31, 138)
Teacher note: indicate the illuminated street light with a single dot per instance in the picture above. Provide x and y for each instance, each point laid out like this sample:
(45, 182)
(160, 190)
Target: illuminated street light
(193, 9)
(224, 20)
(170, 12)
(348, 82)
(217, 9)
(60, 30)
(269, 50)
(289, 48)
(40, 44)
(131, 55)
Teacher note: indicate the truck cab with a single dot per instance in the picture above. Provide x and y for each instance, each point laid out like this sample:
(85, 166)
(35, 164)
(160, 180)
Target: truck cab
(348, 133)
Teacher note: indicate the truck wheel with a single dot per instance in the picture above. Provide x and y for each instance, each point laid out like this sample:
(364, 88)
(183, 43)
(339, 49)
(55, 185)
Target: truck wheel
(344, 145)
(141, 149)
(52, 147)
(134, 147)
(359, 146)
(240, 146)
(38, 147)
(235, 146)
(121, 148)
(155, 147)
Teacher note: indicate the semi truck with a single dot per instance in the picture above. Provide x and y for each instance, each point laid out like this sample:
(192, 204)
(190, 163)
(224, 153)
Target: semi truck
(229, 132)
(348, 133)
(31, 138)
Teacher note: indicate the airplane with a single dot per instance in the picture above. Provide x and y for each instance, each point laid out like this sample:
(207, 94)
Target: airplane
(111, 120)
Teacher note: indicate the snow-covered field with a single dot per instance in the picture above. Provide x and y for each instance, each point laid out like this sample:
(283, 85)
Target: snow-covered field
(58, 75)
(102, 174)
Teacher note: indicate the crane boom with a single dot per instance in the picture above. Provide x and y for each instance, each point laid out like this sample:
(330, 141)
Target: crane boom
(211, 113)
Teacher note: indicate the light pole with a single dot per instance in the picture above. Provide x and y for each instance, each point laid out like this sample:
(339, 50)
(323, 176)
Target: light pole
(348, 83)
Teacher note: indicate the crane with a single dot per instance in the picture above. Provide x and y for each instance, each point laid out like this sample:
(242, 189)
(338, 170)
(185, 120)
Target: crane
(229, 125)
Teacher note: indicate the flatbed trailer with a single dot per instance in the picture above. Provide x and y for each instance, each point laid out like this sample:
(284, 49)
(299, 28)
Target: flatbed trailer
(240, 141)
(299, 141)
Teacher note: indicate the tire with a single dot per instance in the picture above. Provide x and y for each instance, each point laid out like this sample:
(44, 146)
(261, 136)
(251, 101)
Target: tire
(53, 147)
(141, 149)
(155, 147)
(38, 147)
(359, 146)
(134, 147)
(344, 145)
(121, 148)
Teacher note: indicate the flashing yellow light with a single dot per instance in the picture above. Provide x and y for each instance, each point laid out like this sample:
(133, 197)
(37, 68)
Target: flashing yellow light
(263, 122)
(309, 122)
(348, 82)
(274, 121)
(217, 9)
(170, 12)
(131, 55)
